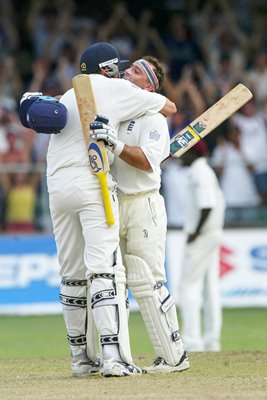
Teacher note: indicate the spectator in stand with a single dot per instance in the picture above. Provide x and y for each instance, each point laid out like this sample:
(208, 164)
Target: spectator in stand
(182, 47)
(53, 79)
(208, 24)
(120, 29)
(253, 139)
(234, 171)
(226, 77)
(148, 39)
(21, 196)
(256, 77)
(84, 32)
(48, 26)
(11, 84)
(9, 35)
(19, 140)
(258, 19)
(18, 187)
(225, 50)
(186, 94)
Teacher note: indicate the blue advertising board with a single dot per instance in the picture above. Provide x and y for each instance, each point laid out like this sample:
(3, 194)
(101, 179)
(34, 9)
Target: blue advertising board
(29, 275)
(30, 281)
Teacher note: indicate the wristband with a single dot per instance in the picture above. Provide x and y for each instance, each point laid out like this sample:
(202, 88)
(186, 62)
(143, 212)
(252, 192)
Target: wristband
(119, 148)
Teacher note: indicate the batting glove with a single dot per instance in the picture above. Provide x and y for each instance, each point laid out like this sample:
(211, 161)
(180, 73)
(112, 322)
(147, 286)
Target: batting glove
(103, 131)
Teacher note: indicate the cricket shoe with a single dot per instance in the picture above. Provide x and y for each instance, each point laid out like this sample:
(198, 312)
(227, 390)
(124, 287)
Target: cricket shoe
(160, 365)
(84, 367)
(112, 367)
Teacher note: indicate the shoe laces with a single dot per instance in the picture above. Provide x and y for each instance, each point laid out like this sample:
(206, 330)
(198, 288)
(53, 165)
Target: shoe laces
(130, 367)
(95, 363)
(158, 361)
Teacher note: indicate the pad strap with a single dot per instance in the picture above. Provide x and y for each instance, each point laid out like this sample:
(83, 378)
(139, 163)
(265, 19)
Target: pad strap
(73, 301)
(109, 339)
(76, 340)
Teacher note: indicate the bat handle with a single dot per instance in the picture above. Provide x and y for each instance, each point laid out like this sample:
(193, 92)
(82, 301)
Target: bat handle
(106, 198)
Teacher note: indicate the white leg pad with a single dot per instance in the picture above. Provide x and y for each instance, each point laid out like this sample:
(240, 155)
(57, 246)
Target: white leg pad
(80, 332)
(92, 338)
(157, 308)
(108, 297)
(123, 309)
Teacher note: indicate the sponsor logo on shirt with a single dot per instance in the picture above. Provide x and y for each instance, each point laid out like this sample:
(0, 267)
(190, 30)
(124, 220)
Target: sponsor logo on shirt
(130, 126)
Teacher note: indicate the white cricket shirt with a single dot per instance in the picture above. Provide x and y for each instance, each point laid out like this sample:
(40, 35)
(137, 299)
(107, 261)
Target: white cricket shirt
(117, 99)
(151, 133)
(203, 191)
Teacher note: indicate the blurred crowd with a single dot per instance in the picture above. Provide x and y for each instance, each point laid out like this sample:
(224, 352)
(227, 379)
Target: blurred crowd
(206, 47)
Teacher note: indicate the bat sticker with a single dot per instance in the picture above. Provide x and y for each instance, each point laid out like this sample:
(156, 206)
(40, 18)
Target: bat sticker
(95, 157)
(200, 126)
(181, 142)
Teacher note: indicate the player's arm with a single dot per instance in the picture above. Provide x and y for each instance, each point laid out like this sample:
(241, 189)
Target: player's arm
(132, 155)
(203, 217)
(169, 108)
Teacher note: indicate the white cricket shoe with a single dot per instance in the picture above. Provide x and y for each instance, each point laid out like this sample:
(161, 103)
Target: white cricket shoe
(160, 365)
(112, 367)
(84, 367)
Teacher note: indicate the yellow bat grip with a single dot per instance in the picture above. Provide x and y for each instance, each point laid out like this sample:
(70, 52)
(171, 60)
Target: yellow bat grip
(106, 198)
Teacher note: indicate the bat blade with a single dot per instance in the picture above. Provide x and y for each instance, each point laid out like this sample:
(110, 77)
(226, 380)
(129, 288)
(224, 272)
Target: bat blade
(96, 150)
(209, 120)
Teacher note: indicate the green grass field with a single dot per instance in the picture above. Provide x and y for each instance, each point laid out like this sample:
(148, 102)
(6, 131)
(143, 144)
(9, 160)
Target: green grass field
(35, 364)
(37, 336)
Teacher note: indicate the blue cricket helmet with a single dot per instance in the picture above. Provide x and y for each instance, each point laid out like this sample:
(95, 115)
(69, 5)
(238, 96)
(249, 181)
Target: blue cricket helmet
(100, 55)
(44, 114)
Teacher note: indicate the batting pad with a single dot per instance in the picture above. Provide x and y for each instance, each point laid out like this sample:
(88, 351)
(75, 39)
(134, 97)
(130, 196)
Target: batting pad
(92, 338)
(157, 308)
(74, 304)
(108, 297)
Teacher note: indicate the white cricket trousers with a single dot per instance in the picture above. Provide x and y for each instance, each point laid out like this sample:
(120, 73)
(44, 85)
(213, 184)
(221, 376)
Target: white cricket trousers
(143, 228)
(199, 290)
(85, 243)
(86, 246)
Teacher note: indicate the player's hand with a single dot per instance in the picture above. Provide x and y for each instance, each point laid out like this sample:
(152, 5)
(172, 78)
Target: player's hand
(102, 131)
(28, 95)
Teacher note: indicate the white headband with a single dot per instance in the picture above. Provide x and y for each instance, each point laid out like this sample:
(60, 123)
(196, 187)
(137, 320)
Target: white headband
(144, 65)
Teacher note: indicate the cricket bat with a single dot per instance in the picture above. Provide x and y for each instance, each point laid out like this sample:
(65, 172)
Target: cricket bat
(96, 149)
(209, 120)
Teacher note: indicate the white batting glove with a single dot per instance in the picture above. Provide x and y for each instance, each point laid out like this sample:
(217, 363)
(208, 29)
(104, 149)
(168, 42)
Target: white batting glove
(102, 131)
(28, 95)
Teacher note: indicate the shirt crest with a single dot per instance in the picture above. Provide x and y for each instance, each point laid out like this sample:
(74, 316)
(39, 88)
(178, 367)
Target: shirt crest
(154, 135)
